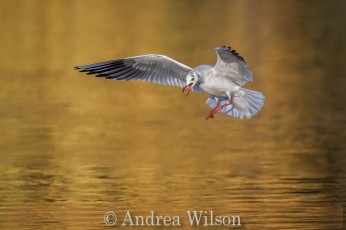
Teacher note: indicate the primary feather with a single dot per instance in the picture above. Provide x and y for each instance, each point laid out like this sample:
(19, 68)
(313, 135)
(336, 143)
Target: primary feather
(153, 68)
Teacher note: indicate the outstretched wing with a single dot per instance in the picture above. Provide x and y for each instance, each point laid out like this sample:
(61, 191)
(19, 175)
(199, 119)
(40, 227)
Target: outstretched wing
(153, 68)
(231, 65)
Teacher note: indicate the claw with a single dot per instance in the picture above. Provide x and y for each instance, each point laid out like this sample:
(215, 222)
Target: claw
(210, 115)
(215, 110)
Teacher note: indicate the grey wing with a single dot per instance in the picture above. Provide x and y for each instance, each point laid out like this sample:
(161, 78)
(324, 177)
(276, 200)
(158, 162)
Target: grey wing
(231, 65)
(153, 68)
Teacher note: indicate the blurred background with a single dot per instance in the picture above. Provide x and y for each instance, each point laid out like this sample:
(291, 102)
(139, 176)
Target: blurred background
(73, 147)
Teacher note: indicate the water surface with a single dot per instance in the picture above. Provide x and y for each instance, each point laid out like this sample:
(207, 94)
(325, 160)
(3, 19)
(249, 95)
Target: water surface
(74, 147)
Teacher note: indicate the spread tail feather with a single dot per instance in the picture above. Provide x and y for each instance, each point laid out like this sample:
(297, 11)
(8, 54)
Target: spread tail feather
(246, 103)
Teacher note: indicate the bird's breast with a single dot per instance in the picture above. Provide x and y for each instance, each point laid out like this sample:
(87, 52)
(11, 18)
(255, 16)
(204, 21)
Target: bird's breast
(219, 87)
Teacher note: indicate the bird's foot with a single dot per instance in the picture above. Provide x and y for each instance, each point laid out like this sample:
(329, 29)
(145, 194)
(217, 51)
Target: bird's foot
(210, 115)
(215, 110)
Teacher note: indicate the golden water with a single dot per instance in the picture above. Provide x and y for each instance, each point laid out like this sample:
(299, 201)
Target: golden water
(73, 147)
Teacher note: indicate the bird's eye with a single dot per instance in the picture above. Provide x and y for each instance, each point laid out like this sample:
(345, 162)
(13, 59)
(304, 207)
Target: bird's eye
(192, 79)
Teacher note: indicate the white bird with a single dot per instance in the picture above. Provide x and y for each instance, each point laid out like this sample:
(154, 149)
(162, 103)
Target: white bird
(223, 82)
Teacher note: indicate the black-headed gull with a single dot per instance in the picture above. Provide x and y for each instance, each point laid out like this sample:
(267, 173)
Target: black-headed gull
(223, 82)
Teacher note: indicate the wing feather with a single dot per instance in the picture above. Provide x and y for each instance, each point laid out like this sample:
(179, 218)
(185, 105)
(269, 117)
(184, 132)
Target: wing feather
(231, 65)
(135, 75)
(153, 68)
(129, 74)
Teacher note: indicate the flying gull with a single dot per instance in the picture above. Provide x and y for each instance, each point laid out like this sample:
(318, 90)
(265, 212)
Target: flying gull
(223, 82)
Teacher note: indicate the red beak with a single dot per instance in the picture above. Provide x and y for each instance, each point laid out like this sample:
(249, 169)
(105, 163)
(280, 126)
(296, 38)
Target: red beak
(188, 87)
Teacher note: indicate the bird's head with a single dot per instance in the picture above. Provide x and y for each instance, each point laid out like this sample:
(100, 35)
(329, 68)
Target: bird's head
(191, 80)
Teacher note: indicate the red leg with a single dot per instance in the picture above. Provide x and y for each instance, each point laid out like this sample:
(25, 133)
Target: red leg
(215, 110)
(229, 103)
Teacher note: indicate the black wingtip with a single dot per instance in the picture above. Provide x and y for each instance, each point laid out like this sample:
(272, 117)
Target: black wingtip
(79, 69)
(229, 49)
